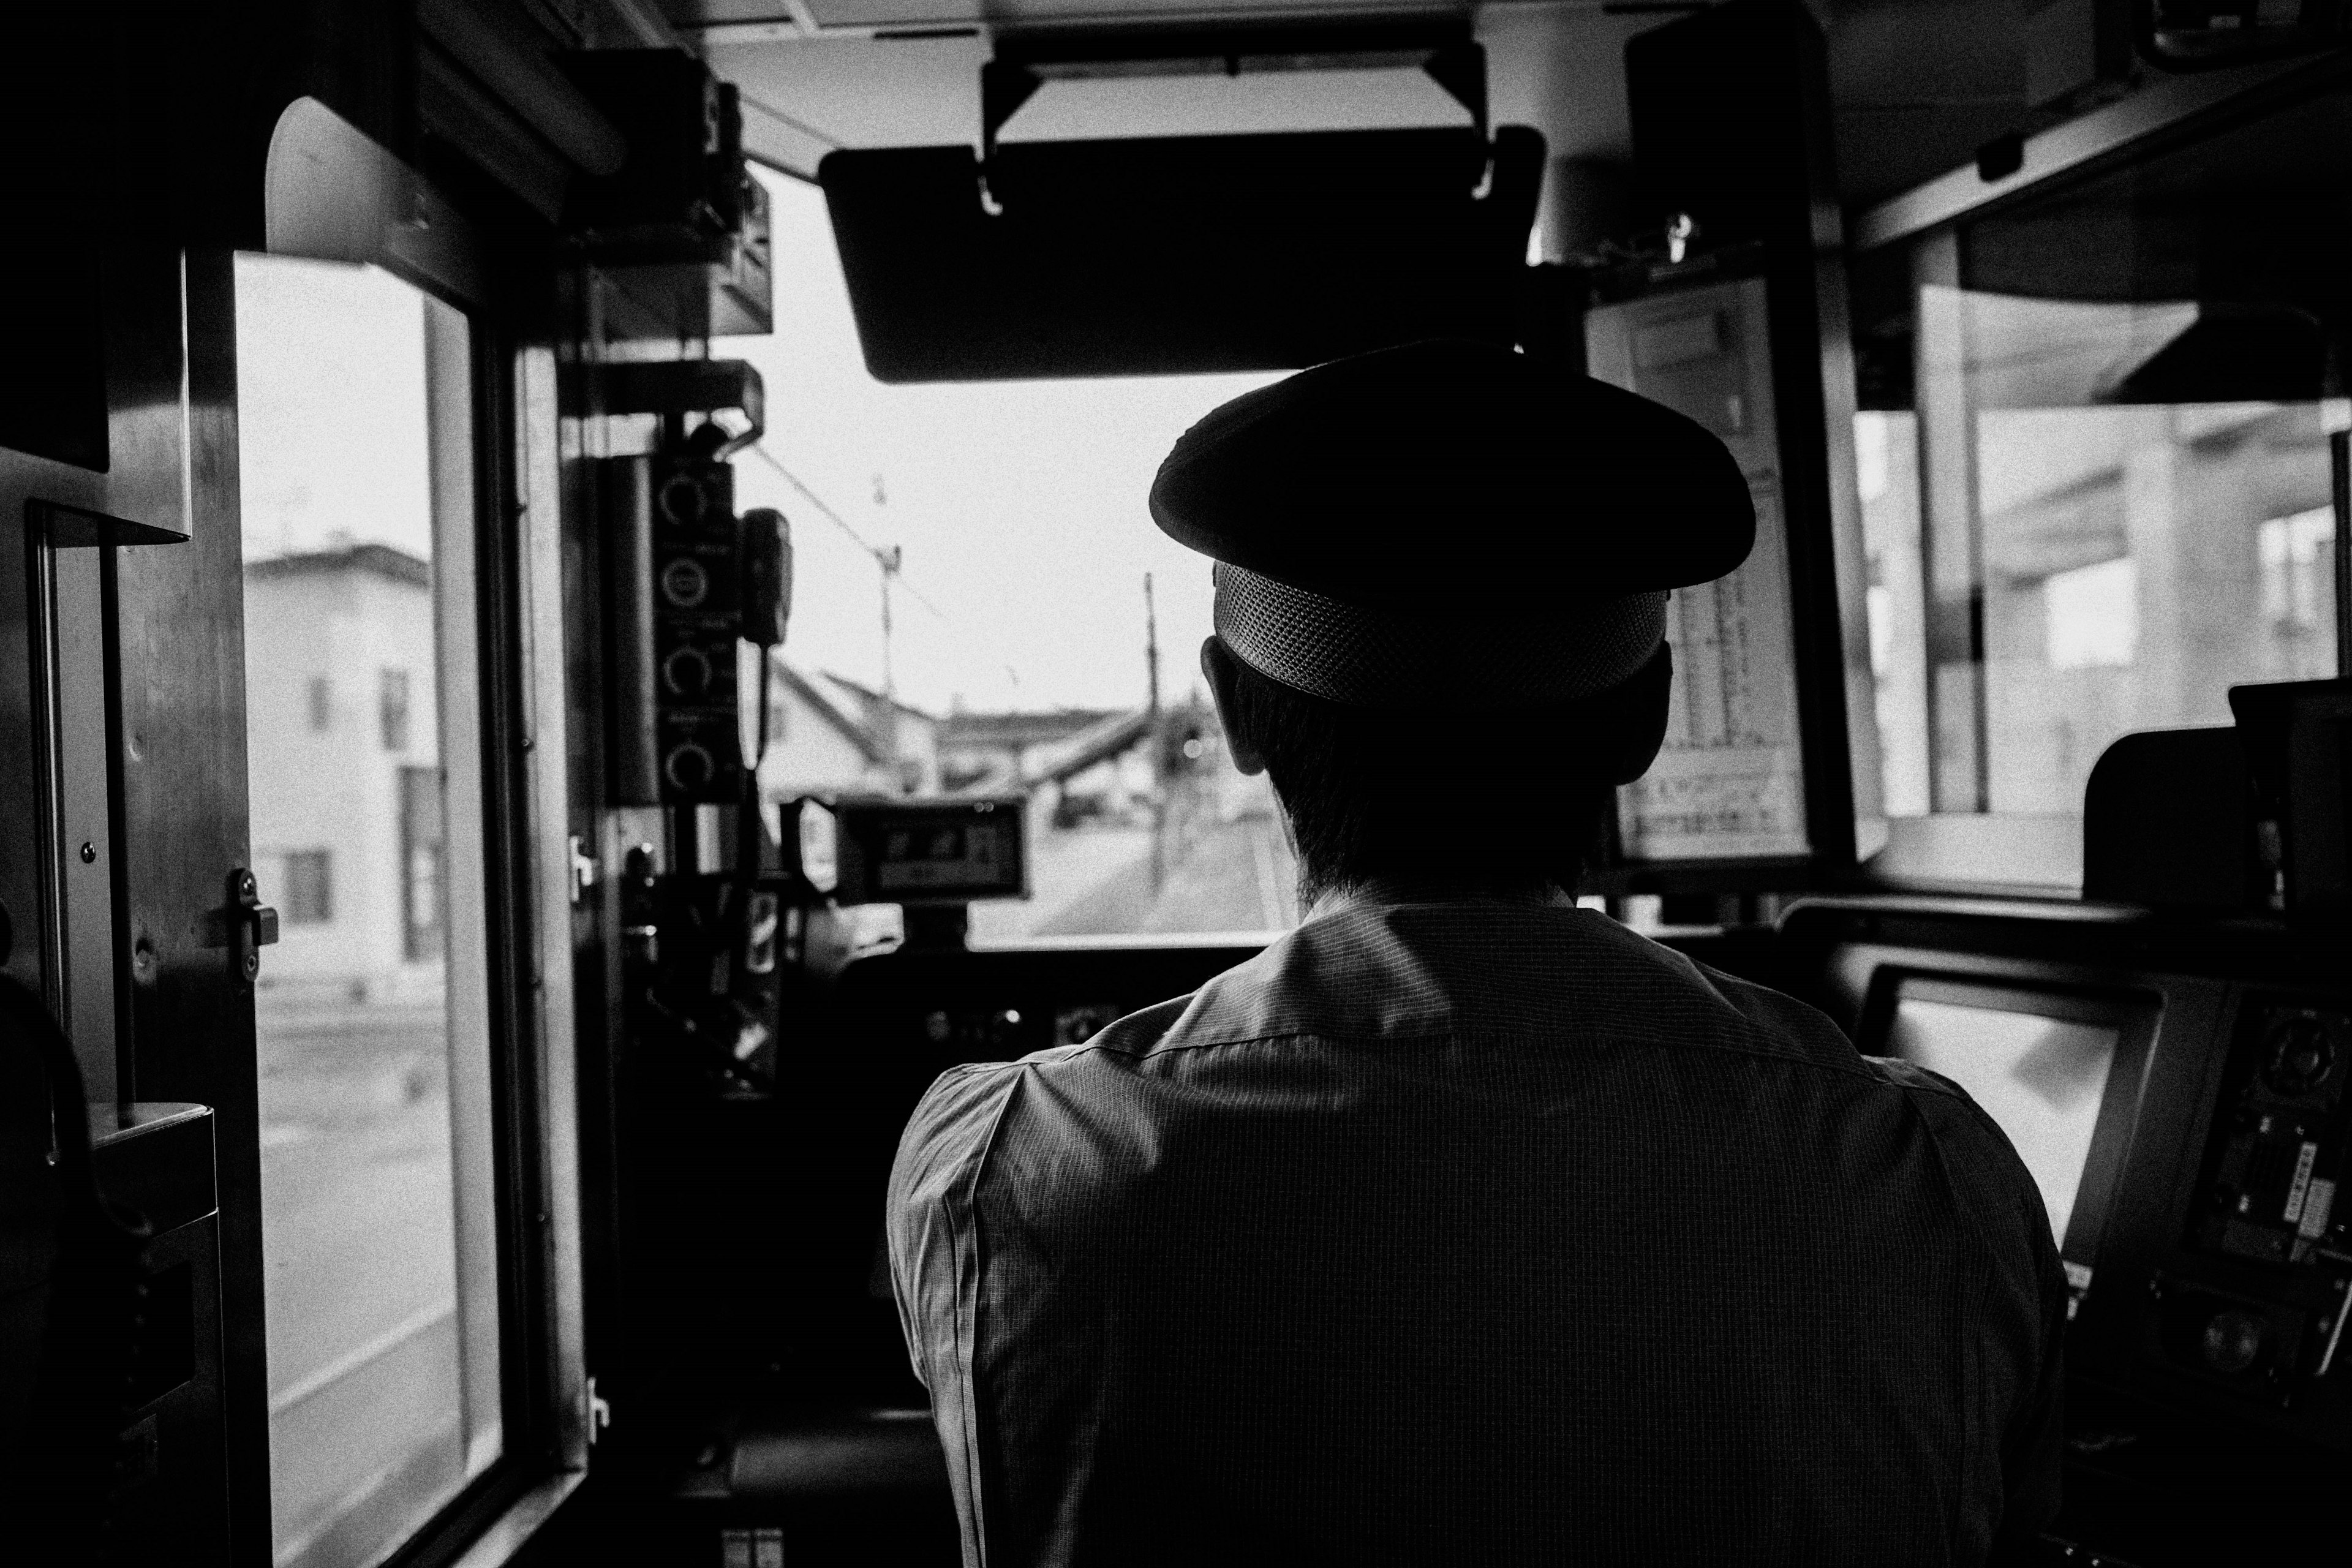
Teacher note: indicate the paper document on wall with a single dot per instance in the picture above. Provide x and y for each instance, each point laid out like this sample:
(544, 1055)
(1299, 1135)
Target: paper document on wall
(1730, 778)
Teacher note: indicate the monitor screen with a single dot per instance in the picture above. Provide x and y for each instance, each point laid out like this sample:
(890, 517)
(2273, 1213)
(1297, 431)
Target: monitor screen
(2042, 1077)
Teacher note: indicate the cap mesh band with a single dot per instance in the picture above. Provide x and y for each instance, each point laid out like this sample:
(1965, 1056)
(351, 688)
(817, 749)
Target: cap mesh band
(1380, 659)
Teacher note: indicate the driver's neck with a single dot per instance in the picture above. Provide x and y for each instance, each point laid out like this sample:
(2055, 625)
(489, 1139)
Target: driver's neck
(1379, 891)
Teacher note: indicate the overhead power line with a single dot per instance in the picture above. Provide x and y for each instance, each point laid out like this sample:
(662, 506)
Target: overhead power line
(803, 126)
(888, 559)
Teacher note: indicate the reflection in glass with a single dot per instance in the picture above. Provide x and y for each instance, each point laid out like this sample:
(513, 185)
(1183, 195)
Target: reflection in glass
(370, 1013)
(1886, 451)
(2120, 577)
(2104, 434)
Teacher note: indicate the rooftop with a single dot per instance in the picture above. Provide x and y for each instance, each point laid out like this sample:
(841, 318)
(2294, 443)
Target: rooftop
(382, 560)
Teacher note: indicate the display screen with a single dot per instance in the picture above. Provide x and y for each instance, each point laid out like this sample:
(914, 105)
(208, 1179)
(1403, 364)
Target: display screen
(935, 851)
(943, 855)
(2041, 1077)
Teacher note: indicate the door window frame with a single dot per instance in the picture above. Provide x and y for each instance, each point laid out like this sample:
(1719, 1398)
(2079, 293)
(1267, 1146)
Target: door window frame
(520, 748)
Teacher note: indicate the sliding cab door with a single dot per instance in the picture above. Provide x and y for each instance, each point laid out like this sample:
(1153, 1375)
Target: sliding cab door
(363, 683)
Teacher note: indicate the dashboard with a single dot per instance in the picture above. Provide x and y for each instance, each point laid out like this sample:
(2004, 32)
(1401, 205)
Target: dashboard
(2181, 1093)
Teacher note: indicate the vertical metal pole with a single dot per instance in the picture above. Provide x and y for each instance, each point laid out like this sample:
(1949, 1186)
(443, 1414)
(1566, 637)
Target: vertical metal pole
(1958, 734)
(1152, 729)
(885, 725)
(2339, 463)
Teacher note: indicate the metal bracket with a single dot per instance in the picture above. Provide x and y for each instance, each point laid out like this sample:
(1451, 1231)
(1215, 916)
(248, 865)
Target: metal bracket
(63, 527)
(583, 867)
(1024, 62)
(712, 386)
(600, 1413)
(252, 925)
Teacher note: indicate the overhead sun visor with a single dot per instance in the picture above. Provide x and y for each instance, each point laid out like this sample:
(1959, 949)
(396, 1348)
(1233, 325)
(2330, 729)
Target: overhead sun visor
(1175, 256)
(2260, 353)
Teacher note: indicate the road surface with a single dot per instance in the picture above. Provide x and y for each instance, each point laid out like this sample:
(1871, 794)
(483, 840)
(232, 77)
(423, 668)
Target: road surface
(359, 1240)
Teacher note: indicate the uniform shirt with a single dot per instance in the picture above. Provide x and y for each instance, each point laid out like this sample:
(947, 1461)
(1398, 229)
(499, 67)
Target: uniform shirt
(1476, 1233)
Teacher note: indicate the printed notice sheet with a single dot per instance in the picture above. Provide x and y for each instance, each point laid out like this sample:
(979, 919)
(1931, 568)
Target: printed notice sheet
(1730, 779)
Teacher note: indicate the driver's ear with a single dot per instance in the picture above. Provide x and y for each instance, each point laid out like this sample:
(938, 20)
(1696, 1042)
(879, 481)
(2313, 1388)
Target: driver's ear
(1634, 724)
(1223, 673)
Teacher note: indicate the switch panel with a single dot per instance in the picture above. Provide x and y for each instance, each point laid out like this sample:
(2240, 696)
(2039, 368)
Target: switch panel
(674, 599)
(2279, 1141)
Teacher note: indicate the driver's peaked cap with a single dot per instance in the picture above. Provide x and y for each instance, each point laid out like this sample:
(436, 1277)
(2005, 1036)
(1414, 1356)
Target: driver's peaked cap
(1456, 479)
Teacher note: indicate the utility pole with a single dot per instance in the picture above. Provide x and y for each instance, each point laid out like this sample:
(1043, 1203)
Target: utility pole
(890, 557)
(882, 727)
(1153, 739)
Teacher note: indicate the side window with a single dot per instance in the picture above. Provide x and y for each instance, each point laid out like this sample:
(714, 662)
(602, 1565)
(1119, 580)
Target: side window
(372, 1013)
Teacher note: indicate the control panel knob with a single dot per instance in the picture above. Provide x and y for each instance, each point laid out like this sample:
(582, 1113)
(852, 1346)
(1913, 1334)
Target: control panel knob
(683, 500)
(688, 767)
(685, 584)
(2233, 1339)
(2302, 1055)
(686, 671)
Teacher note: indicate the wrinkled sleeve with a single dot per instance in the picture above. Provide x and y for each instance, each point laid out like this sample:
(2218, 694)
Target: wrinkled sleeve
(2021, 1312)
(2034, 1449)
(935, 1260)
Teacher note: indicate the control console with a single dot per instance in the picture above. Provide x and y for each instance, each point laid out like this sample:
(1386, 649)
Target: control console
(2269, 1325)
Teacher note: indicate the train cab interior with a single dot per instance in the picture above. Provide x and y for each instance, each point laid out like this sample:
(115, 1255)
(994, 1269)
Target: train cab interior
(577, 622)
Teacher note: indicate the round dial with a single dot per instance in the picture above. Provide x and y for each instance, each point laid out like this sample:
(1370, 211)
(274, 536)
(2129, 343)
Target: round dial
(687, 672)
(2302, 1055)
(687, 767)
(684, 583)
(682, 500)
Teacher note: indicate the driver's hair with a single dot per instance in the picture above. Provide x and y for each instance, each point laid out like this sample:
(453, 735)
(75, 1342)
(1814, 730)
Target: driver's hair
(1505, 802)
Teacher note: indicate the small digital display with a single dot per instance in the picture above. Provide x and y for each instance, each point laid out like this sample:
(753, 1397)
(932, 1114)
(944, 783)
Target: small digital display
(943, 855)
(2041, 1077)
(931, 851)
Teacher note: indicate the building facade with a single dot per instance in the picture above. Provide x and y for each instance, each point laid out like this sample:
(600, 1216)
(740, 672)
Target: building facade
(341, 685)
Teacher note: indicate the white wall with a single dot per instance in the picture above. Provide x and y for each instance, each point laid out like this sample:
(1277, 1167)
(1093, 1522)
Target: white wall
(807, 753)
(337, 790)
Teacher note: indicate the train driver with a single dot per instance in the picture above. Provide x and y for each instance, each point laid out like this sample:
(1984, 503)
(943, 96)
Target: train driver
(1463, 1225)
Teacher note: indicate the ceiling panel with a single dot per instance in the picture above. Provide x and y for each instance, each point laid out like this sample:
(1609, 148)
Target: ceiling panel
(853, 17)
(1918, 84)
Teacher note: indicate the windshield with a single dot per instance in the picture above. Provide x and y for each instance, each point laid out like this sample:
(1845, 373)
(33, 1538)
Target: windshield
(982, 604)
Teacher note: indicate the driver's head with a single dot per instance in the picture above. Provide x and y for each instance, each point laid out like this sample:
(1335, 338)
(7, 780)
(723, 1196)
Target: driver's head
(1441, 603)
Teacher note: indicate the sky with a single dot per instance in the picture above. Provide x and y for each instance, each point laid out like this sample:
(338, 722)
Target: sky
(1019, 505)
(331, 407)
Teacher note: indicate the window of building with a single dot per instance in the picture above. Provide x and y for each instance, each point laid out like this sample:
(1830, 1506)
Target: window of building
(323, 704)
(306, 896)
(2297, 557)
(379, 1202)
(2091, 616)
(392, 707)
(422, 847)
